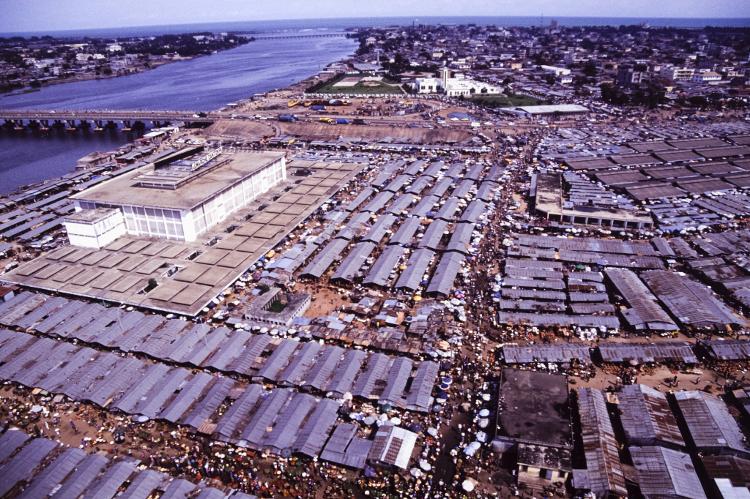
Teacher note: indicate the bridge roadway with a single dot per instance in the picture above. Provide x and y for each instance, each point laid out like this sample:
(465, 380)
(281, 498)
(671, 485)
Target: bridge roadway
(107, 115)
(288, 37)
(130, 116)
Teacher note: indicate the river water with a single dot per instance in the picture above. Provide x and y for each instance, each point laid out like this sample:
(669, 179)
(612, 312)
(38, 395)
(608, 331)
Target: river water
(202, 84)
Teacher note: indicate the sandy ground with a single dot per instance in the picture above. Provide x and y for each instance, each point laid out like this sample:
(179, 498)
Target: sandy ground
(325, 301)
(241, 129)
(323, 131)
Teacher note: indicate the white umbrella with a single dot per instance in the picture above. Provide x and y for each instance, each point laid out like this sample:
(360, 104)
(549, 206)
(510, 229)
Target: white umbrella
(469, 484)
(472, 448)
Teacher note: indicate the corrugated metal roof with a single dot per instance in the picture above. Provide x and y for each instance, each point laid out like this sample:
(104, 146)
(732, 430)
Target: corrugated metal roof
(398, 376)
(663, 351)
(666, 473)
(433, 235)
(319, 265)
(460, 240)
(312, 435)
(144, 483)
(384, 266)
(378, 231)
(107, 485)
(562, 353)
(425, 206)
(350, 266)
(264, 417)
(709, 422)
(445, 273)
(448, 210)
(405, 233)
(363, 196)
(345, 448)
(22, 466)
(375, 370)
(85, 473)
(324, 367)
(230, 422)
(380, 200)
(52, 475)
(401, 203)
(420, 397)
(646, 417)
(690, 301)
(603, 465)
(473, 211)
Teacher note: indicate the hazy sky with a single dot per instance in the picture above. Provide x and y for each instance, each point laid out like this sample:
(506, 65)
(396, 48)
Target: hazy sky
(42, 15)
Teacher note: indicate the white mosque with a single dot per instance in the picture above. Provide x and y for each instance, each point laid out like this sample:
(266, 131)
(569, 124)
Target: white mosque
(456, 86)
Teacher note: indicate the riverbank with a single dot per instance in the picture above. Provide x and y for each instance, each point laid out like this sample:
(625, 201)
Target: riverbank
(90, 77)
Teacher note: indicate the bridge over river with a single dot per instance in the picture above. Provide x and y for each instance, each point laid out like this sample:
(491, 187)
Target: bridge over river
(298, 36)
(34, 115)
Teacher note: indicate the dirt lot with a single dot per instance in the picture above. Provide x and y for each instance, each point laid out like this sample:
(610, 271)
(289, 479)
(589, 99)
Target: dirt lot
(326, 300)
(241, 129)
(322, 131)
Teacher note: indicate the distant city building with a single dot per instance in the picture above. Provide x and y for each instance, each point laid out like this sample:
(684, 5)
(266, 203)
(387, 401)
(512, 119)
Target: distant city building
(555, 70)
(628, 75)
(677, 74)
(706, 77)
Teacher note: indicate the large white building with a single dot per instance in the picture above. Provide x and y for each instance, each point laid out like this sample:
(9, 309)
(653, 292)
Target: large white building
(179, 197)
(458, 86)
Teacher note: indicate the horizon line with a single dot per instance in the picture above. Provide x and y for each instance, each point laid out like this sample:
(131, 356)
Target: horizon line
(461, 16)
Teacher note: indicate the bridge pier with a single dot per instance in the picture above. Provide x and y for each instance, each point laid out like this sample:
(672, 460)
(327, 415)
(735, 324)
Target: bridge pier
(76, 118)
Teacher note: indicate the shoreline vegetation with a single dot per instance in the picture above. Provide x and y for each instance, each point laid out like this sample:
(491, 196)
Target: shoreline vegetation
(29, 64)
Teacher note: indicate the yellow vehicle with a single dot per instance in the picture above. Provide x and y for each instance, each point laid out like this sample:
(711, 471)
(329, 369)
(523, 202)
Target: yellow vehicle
(292, 103)
(307, 103)
(330, 121)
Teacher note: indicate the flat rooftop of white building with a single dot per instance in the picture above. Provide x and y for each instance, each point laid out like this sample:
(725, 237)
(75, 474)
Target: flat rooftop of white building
(90, 216)
(124, 189)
